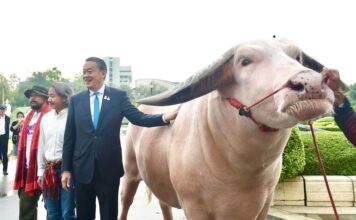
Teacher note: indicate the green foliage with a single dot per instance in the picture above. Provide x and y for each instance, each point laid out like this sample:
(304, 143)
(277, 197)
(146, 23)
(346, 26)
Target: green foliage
(4, 88)
(337, 153)
(351, 94)
(293, 156)
(47, 77)
(129, 91)
(14, 112)
(19, 97)
(327, 124)
(78, 84)
(329, 128)
(326, 119)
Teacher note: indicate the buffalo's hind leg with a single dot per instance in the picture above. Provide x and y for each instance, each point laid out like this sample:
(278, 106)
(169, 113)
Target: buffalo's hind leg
(166, 211)
(130, 180)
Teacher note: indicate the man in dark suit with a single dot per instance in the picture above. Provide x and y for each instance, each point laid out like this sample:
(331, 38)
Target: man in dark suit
(92, 149)
(4, 137)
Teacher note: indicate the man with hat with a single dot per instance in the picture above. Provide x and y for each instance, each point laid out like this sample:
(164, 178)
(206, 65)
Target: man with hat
(26, 170)
(4, 137)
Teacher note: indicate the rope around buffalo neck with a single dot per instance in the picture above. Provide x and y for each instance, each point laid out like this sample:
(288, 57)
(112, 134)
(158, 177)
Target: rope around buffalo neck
(246, 111)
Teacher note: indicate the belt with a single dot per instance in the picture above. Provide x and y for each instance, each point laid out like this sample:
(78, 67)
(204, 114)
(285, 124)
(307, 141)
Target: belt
(53, 163)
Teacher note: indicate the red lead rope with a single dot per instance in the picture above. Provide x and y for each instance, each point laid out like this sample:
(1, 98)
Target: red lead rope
(322, 169)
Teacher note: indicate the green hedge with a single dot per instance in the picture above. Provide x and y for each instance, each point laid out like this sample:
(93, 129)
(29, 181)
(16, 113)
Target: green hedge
(329, 128)
(293, 156)
(327, 124)
(326, 119)
(337, 153)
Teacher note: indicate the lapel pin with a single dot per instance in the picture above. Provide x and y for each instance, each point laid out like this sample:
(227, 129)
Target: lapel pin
(107, 98)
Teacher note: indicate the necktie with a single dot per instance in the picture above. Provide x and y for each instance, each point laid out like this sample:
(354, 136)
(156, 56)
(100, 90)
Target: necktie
(96, 110)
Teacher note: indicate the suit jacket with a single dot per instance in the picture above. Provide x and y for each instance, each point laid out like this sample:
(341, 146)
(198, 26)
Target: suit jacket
(84, 146)
(345, 117)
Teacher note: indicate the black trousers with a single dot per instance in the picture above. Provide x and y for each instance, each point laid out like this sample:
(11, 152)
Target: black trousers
(107, 194)
(4, 141)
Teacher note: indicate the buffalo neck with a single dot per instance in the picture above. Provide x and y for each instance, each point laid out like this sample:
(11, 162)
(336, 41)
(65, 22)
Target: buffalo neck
(236, 140)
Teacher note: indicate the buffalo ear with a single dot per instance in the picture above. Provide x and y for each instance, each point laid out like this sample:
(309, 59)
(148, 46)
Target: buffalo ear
(209, 79)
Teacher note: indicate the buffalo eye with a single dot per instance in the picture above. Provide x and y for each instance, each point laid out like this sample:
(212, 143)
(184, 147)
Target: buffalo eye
(298, 58)
(245, 62)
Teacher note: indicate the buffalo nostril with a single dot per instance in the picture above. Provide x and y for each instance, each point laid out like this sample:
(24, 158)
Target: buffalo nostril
(295, 86)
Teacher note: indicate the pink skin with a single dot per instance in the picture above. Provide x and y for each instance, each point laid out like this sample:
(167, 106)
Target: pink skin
(38, 100)
(2, 112)
(93, 77)
(56, 101)
(213, 163)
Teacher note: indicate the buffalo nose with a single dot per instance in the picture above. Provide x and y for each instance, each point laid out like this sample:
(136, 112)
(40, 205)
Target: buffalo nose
(296, 86)
(305, 81)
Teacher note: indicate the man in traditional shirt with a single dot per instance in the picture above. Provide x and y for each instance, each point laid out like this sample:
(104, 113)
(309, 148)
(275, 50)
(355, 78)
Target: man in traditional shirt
(26, 170)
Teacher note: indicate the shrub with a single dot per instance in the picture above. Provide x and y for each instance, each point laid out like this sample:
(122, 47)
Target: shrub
(337, 153)
(293, 156)
(326, 119)
(327, 124)
(329, 128)
(125, 122)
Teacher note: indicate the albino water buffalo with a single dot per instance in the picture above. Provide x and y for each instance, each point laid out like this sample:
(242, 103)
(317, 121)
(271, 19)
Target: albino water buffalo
(212, 162)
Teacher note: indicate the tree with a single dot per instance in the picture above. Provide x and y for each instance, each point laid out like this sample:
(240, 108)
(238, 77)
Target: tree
(129, 91)
(4, 88)
(18, 98)
(14, 81)
(77, 83)
(351, 94)
(45, 78)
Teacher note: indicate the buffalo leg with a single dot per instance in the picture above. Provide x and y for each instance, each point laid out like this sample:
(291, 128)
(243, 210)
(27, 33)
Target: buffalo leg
(166, 211)
(130, 180)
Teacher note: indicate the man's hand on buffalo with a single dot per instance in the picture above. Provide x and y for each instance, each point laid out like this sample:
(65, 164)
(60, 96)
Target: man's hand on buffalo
(171, 115)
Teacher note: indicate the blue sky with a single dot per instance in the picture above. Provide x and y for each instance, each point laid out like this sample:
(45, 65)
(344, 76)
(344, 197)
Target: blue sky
(164, 39)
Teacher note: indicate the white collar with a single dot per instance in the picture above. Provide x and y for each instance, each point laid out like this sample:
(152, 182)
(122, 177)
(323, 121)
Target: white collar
(63, 111)
(100, 91)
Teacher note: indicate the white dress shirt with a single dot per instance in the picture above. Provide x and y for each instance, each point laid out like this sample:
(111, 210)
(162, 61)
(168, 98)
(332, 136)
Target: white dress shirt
(51, 140)
(92, 97)
(2, 125)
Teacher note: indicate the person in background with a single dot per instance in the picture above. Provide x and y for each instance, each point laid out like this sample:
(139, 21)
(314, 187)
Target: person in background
(345, 116)
(25, 181)
(59, 202)
(15, 129)
(4, 138)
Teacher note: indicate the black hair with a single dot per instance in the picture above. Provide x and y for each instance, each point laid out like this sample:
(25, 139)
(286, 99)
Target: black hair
(100, 62)
(18, 113)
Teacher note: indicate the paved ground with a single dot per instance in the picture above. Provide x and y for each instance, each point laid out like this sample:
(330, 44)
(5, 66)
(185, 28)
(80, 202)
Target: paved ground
(141, 210)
